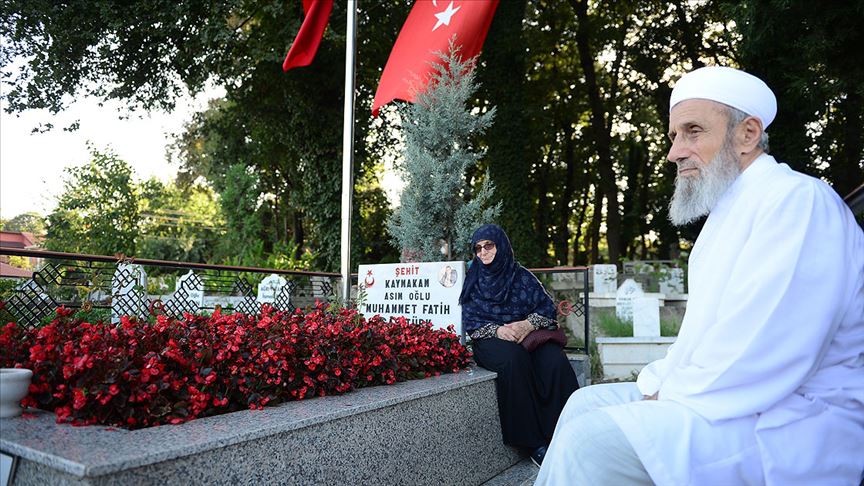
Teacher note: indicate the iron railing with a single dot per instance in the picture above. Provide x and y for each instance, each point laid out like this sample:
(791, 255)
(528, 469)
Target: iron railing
(120, 285)
(568, 287)
(140, 287)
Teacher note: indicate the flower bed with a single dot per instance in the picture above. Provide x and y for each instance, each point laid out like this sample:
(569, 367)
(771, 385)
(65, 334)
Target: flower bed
(140, 374)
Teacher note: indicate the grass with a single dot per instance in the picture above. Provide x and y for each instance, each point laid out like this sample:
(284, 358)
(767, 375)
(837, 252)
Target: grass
(611, 326)
(669, 327)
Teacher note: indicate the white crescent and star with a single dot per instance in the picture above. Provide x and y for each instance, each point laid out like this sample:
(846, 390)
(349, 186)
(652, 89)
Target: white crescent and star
(445, 15)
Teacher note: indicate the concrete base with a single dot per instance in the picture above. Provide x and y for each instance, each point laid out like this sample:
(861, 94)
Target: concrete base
(582, 367)
(623, 357)
(417, 432)
(608, 300)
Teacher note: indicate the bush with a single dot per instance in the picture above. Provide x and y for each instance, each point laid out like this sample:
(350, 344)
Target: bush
(137, 374)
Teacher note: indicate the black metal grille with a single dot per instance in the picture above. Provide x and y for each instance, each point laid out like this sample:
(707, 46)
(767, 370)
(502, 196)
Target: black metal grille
(248, 306)
(180, 303)
(134, 303)
(572, 301)
(88, 281)
(30, 304)
(283, 299)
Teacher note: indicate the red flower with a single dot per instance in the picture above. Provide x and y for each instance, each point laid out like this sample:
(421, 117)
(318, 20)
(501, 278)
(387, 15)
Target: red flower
(79, 399)
(178, 369)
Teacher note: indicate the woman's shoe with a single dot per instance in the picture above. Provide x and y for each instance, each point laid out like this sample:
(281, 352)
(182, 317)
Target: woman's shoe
(538, 455)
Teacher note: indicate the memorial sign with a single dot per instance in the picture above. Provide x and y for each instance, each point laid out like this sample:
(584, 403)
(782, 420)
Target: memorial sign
(420, 292)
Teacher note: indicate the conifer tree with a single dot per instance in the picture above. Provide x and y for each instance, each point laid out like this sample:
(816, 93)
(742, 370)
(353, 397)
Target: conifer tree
(437, 210)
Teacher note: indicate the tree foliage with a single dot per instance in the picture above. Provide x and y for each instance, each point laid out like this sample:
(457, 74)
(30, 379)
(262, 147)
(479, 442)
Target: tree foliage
(436, 209)
(105, 210)
(29, 222)
(98, 212)
(577, 153)
(817, 72)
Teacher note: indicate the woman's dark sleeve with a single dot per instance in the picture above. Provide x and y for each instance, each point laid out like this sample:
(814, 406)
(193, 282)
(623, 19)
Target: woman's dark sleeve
(485, 332)
(542, 322)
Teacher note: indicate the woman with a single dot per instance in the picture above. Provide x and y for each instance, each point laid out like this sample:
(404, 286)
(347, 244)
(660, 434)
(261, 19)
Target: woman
(502, 303)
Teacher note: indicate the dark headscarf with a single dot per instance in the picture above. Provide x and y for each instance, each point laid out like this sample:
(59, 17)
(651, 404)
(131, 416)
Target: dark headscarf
(503, 291)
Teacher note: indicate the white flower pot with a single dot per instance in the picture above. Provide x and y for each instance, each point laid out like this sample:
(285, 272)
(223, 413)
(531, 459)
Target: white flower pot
(14, 383)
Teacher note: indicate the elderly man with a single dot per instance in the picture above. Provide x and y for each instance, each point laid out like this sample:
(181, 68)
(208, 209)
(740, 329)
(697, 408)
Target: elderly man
(765, 383)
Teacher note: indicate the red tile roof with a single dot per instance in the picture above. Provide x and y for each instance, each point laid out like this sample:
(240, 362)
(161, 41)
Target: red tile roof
(7, 270)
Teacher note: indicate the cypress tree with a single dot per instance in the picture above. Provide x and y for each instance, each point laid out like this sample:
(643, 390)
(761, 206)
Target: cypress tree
(438, 213)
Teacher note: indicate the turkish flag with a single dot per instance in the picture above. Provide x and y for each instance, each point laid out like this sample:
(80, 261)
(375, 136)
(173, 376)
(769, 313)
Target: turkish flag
(428, 29)
(308, 39)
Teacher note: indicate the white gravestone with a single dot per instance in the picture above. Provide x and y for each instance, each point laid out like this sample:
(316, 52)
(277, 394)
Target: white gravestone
(646, 317)
(269, 288)
(629, 291)
(128, 291)
(605, 279)
(194, 289)
(672, 281)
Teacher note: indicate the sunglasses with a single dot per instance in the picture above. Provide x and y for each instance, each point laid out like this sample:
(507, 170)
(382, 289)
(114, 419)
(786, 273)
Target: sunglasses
(488, 247)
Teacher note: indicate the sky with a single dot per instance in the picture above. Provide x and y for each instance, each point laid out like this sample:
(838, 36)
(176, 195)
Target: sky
(32, 165)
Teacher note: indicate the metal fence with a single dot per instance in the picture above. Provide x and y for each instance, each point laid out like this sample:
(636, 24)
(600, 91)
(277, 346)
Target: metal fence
(113, 287)
(569, 289)
(141, 287)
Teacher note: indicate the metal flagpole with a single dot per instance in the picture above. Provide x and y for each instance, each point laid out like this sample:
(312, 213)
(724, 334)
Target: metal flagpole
(348, 148)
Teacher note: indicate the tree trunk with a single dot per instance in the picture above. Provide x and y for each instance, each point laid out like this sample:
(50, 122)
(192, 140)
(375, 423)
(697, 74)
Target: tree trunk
(579, 255)
(299, 235)
(562, 224)
(602, 139)
(594, 229)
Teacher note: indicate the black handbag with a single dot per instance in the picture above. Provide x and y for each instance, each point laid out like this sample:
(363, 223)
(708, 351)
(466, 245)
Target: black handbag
(540, 336)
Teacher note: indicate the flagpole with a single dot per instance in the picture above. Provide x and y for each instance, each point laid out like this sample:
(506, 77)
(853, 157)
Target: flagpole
(348, 148)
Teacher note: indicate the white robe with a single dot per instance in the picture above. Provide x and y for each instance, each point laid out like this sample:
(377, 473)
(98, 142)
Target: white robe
(765, 383)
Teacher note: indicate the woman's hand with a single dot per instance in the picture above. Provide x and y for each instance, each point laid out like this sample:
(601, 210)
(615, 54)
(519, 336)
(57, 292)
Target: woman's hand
(507, 333)
(515, 331)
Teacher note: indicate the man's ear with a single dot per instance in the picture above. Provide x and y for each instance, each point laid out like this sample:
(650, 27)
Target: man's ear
(749, 134)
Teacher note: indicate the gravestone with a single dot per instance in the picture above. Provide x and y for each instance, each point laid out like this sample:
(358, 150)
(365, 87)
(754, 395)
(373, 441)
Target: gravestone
(672, 281)
(269, 288)
(566, 281)
(646, 317)
(128, 291)
(628, 291)
(605, 279)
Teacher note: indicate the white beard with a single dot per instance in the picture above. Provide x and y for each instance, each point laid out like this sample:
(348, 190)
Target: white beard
(696, 196)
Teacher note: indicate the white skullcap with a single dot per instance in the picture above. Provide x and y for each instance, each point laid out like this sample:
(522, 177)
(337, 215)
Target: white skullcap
(730, 87)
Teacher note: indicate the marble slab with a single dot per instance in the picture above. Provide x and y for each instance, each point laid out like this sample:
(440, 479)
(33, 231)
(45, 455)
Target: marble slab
(646, 317)
(376, 416)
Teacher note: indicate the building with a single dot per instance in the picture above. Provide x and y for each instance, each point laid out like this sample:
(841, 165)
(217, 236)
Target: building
(21, 241)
